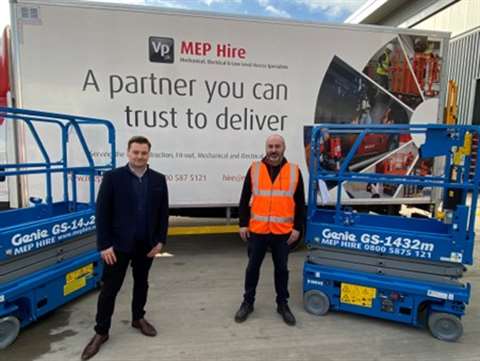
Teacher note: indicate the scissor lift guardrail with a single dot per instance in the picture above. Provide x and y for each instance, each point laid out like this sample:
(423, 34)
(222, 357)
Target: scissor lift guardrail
(48, 251)
(429, 239)
(387, 266)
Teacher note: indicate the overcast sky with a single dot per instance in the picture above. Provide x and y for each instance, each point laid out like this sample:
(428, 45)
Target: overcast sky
(4, 14)
(310, 10)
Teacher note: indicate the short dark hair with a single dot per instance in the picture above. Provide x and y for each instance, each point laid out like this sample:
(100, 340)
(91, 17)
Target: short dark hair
(139, 139)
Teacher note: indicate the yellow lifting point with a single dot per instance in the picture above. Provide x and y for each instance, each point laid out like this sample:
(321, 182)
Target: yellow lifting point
(465, 150)
(440, 215)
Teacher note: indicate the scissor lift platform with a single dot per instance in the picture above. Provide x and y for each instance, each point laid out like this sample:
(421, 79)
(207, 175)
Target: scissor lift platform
(48, 253)
(389, 266)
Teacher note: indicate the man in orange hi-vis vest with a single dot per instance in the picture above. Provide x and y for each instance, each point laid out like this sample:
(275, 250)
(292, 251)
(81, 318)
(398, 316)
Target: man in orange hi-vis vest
(272, 213)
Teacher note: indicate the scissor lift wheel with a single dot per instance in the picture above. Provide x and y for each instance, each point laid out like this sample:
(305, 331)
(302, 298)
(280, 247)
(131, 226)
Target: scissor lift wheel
(316, 302)
(445, 326)
(9, 328)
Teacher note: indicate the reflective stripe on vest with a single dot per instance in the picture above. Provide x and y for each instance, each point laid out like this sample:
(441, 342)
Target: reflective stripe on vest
(273, 192)
(272, 203)
(273, 219)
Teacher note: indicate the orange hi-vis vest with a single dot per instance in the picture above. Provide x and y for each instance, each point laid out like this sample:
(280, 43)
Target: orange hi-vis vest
(272, 204)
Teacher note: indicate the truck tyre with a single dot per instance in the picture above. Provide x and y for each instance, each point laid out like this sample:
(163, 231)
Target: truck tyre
(316, 302)
(9, 329)
(445, 326)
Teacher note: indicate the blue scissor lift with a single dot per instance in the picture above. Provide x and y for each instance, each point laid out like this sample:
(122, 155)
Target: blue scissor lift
(48, 252)
(389, 266)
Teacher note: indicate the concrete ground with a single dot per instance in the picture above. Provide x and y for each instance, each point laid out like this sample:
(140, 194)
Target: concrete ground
(194, 294)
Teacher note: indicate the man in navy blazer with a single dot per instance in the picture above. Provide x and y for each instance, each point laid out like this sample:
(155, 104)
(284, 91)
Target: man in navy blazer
(132, 223)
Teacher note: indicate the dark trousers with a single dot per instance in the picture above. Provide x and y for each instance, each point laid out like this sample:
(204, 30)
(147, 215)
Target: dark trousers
(112, 279)
(257, 247)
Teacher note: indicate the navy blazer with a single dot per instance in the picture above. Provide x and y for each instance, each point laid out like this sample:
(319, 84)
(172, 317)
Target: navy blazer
(115, 210)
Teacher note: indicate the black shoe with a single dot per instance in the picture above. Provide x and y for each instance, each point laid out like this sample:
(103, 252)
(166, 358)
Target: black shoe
(243, 312)
(94, 346)
(145, 327)
(287, 315)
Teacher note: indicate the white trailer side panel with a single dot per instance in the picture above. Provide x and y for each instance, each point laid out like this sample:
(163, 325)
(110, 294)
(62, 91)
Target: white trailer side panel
(207, 90)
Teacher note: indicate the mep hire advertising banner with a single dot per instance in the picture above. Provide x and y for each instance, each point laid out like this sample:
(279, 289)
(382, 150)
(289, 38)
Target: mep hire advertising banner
(208, 90)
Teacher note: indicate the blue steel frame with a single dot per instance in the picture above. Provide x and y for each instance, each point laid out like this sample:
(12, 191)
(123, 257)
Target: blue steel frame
(32, 295)
(412, 296)
(428, 239)
(65, 122)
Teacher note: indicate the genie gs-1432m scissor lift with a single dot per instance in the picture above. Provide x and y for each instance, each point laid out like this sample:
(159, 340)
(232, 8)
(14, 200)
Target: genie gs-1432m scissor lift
(392, 267)
(48, 252)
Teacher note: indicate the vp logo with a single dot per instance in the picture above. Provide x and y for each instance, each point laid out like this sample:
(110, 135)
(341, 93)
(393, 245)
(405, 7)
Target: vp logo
(160, 49)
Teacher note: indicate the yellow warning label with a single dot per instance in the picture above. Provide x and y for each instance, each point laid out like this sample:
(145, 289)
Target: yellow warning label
(357, 295)
(77, 279)
(74, 285)
(74, 275)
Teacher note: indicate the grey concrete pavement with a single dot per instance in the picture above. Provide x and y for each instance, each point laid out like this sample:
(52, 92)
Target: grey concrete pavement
(194, 294)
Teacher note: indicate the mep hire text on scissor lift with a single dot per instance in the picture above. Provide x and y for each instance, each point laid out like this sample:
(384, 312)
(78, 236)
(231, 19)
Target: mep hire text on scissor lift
(393, 267)
(48, 253)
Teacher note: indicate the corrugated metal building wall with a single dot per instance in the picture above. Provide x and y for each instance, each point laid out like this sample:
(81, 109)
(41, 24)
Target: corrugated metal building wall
(457, 18)
(464, 68)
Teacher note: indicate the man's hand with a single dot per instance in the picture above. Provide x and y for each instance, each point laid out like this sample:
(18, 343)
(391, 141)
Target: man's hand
(108, 255)
(244, 234)
(155, 250)
(294, 236)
